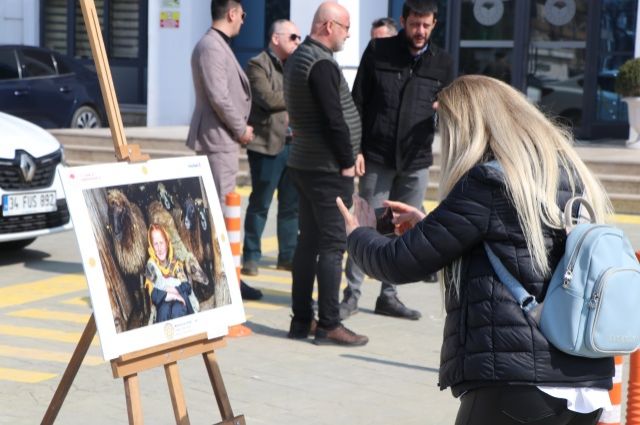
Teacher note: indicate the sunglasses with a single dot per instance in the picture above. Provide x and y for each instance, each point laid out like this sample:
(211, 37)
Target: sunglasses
(291, 37)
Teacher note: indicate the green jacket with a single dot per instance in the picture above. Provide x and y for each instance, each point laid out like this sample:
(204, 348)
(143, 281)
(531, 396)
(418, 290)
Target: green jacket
(268, 111)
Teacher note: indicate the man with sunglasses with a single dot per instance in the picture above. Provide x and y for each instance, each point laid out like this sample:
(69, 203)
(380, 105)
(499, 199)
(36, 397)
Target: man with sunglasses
(395, 90)
(269, 151)
(223, 102)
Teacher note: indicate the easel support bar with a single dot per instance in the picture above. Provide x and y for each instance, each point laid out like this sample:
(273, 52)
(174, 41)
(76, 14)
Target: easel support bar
(161, 355)
(70, 372)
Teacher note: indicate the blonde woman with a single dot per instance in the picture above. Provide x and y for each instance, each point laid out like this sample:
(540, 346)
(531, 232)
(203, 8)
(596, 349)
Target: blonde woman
(493, 356)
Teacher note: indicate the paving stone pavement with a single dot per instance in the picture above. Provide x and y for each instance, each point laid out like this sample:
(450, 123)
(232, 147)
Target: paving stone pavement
(269, 378)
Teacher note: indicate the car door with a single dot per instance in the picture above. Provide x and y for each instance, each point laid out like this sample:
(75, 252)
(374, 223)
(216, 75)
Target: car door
(51, 97)
(14, 92)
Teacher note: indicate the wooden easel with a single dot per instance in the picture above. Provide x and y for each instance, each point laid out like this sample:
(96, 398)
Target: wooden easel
(129, 365)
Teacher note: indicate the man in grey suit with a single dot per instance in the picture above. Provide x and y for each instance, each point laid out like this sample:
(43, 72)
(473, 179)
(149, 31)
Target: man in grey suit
(223, 97)
(223, 102)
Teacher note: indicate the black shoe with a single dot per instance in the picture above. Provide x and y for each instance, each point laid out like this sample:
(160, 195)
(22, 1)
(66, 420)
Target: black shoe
(348, 307)
(249, 268)
(285, 265)
(301, 329)
(249, 293)
(339, 336)
(395, 308)
(432, 278)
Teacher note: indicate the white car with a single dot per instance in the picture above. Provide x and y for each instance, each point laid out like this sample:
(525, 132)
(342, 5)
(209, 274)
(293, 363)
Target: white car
(31, 195)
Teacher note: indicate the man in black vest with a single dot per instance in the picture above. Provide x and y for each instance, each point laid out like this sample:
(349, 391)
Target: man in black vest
(323, 162)
(395, 89)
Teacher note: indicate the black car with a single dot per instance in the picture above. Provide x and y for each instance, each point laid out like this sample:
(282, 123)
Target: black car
(49, 89)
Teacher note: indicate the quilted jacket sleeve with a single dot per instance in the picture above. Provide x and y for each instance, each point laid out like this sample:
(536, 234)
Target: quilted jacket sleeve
(458, 224)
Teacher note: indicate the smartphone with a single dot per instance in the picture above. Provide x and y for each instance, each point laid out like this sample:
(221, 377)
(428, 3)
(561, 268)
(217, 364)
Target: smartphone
(384, 223)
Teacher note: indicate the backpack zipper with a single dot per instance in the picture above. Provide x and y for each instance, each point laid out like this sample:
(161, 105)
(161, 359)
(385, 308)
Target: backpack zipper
(568, 274)
(594, 304)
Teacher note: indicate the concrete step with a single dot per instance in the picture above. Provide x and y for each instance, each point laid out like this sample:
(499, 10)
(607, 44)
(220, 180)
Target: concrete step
(621, 184)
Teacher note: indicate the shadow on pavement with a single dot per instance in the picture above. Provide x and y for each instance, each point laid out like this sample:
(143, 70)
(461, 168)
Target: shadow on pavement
(10, 257)
(56, 266)
(266, 330)
(390, 363)
(37, 260)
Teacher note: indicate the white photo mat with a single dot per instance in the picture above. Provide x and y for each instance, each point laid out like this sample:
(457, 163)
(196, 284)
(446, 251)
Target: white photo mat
(100, 179)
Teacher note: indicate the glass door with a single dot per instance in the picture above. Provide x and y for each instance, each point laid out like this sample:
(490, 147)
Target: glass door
(616, 44)
(487, 38)
(557, 58)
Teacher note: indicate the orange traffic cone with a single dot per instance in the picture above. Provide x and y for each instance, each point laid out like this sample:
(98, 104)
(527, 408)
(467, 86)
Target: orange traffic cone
(633, 391)
(233, 222)
(612, 417)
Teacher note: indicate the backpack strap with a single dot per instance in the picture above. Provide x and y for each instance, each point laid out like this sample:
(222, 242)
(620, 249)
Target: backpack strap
(526, 301)
(569, 221)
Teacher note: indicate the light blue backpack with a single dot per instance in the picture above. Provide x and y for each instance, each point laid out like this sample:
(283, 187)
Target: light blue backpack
(592, 305)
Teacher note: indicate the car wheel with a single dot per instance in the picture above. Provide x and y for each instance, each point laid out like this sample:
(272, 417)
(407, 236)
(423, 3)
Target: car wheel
(15, 245)
(86, 117)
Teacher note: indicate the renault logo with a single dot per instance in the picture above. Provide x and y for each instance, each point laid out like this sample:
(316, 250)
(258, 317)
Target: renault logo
(27, 167)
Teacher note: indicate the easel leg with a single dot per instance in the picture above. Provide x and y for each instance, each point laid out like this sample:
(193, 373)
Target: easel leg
(70, 373)
(220, 391)
(177, 394)
(132, 393)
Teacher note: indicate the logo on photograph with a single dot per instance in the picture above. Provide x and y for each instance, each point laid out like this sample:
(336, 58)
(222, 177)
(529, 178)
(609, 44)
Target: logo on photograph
(169, 331)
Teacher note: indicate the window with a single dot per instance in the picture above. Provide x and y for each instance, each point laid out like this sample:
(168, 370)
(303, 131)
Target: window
(83, 48)
(8, 65)
(124, 34)
(55, 25)
(36, 63)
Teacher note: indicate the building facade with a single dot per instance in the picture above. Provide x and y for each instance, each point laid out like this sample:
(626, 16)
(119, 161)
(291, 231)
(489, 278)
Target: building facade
(564, 54)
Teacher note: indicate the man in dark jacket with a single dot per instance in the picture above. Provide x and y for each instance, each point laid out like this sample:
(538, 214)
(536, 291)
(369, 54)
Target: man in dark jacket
(322, 162)
(395, 89)
(269, 150)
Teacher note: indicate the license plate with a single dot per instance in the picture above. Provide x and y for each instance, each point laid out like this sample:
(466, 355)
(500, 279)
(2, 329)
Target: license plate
(28, 203)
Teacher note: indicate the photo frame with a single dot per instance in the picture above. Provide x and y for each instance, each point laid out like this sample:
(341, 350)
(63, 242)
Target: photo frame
(155, 251)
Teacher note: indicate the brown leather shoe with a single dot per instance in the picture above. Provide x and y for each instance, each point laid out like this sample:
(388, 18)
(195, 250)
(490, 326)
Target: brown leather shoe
(339, 336)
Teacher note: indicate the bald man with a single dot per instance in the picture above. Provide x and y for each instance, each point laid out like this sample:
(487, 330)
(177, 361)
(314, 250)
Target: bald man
(323, 163)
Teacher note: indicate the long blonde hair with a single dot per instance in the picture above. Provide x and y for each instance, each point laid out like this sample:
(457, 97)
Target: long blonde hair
(482, 118)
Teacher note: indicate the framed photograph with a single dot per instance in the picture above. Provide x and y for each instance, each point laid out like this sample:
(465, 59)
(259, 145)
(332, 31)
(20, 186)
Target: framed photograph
(155, 251)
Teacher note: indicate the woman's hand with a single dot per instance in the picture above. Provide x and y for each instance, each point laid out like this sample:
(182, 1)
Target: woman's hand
(363, 214)
(404, 216)
(174, 295)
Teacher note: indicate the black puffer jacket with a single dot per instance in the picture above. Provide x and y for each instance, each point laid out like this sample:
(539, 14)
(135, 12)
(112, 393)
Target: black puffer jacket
(394, 94)
(487, 339)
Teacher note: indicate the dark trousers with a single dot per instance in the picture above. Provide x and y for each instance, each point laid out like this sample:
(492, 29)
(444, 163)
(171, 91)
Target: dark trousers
(269, 173)
(514, 405)
(322, 241)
